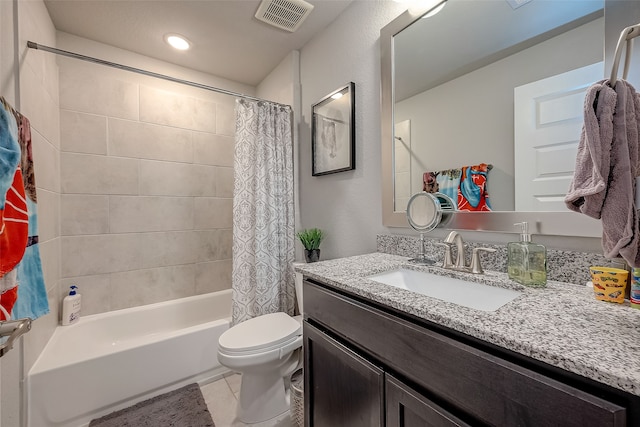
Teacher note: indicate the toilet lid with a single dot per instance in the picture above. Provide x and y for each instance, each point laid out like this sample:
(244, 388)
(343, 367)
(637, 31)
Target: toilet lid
(261, 332)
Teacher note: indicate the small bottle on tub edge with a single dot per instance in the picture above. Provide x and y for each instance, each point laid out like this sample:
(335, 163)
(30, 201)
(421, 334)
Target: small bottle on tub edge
(71, 307)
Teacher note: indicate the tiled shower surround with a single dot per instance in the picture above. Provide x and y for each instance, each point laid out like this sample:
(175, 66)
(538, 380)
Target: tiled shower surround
(563, 266)
(147, 184)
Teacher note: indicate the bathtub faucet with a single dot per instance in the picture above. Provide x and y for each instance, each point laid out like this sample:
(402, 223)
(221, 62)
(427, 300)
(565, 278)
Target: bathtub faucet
(13, 329)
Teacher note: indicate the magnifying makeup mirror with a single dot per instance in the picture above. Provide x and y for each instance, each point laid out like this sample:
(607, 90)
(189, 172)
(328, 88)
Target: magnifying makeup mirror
(426, 211)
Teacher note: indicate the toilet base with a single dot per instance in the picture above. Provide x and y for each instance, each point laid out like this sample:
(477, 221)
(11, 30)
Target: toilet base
(282, 420)
(265, 395)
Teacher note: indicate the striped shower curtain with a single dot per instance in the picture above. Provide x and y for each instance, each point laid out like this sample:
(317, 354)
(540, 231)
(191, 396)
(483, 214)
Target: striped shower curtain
(263, 211)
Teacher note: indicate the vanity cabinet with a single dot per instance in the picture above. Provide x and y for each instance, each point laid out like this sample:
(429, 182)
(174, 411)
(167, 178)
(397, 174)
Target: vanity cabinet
(368, 365)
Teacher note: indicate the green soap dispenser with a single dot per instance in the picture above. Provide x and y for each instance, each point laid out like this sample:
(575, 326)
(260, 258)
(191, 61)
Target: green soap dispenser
(527, 261)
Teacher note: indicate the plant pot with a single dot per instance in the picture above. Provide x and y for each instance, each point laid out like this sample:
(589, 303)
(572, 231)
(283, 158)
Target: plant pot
(312, 255)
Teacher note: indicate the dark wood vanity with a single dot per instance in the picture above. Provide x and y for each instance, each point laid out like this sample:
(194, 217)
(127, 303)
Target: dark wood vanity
(368, 365)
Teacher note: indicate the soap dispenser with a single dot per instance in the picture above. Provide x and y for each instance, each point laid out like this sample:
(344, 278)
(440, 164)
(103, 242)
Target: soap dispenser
(527, 261)
(71, 307)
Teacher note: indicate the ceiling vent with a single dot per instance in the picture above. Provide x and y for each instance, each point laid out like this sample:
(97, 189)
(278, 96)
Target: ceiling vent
(517, 3)
(287, 15)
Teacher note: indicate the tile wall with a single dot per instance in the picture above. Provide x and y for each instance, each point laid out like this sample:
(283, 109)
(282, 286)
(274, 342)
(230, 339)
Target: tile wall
(147, 184)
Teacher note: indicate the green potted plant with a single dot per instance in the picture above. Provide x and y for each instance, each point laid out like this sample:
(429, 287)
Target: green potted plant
(310, 239)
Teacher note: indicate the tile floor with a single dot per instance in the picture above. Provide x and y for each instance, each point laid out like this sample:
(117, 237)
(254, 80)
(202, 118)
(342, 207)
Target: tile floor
(221, 397)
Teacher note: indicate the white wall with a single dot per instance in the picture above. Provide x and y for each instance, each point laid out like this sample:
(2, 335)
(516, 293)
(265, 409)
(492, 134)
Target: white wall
(31, 85)
(348, 204)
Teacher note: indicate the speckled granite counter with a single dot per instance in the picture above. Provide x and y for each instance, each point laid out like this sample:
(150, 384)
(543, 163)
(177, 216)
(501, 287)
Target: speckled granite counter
(562, 324)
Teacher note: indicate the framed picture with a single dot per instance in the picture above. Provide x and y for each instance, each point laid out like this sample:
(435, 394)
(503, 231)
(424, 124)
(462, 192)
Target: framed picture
(333, 132)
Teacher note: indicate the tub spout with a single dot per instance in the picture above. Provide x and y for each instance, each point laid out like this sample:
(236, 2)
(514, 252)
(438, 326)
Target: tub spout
(13, 329)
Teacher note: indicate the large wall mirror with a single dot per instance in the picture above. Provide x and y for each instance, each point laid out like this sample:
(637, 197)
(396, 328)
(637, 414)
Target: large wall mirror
(497, 82)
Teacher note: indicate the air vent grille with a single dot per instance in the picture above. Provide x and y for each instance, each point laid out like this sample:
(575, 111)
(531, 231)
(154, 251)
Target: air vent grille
(284, 14)
(517, 3)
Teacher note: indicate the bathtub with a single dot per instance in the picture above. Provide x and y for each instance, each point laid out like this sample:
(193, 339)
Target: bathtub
(109, 361)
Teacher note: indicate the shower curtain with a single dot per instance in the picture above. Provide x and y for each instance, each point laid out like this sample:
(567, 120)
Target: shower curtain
(263, 211)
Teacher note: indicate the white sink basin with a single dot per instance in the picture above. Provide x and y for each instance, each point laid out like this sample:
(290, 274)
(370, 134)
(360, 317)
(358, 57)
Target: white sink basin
(468, 294)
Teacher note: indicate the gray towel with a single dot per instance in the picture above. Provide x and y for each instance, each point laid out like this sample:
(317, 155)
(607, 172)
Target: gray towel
(607, 164)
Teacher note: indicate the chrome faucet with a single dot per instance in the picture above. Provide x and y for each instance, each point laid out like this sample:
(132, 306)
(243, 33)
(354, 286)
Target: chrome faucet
(454, 238)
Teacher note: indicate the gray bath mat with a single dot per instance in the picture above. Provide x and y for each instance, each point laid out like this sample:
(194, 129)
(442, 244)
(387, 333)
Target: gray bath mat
(184, 407)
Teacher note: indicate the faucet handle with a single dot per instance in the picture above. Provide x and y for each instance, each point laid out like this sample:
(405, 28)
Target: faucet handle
(476, 265)
(448, 261)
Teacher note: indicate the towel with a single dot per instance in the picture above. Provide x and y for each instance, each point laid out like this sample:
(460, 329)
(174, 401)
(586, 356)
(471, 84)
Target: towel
(472, 194)
(449, 182)
(22, 288)
(467, 186)
(607, 163)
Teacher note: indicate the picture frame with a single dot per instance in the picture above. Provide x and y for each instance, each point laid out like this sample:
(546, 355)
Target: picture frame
(333, 134)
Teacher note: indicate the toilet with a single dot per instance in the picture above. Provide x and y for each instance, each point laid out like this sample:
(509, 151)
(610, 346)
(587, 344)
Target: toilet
(266, 351)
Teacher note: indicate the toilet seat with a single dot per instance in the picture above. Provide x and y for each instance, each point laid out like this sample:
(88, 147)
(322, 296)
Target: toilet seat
(260, 335)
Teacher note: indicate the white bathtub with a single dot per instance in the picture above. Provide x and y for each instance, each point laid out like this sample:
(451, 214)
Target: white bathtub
(110, 361)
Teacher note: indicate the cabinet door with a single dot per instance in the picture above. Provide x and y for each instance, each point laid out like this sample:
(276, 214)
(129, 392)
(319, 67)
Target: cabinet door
(341, 388)
(408, 408)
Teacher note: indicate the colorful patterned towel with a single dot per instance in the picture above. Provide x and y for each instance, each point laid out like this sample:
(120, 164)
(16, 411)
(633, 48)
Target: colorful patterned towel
(22, 289)
(467, 185)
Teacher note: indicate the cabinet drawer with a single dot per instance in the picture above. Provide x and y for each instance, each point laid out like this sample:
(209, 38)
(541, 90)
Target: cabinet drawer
(486, 387)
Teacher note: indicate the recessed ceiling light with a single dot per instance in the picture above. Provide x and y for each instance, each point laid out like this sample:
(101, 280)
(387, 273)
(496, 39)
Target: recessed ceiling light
(337, 95)
(177, 41)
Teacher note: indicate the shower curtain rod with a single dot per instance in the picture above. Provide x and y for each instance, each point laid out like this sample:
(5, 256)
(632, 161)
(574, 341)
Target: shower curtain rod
(38, 46)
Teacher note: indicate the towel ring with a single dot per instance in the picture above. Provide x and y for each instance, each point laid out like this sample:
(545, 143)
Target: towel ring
(626, 36)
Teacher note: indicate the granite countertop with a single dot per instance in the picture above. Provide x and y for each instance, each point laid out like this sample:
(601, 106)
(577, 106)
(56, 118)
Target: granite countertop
(562, 324)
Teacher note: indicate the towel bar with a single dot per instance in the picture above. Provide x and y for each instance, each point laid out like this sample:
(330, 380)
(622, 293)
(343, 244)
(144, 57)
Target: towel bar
(626, 37)
(13, 329)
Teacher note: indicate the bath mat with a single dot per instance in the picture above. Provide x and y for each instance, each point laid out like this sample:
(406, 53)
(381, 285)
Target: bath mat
(184, 407)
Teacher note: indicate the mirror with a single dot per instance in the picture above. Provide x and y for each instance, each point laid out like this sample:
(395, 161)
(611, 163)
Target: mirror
(459, 110)
(425, 212)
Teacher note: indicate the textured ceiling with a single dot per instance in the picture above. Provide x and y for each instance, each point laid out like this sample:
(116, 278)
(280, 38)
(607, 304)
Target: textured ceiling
(228, 41)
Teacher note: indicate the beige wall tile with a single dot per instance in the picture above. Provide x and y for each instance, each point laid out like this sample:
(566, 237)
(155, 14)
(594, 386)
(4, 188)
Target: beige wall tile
(139, 287)
(147, 181)
(99, 254)
(224, 182)
(147, 141)
(88, 90)
(90, 174)
(39, 106)
(225, 120)
(166, 108)
(51, 262)
(83, 133)
(205, 178)
(213, 276)
(84, 214)
(213, 212)
(215, 245)
(48, 211)
(204, 118)
(46, 163)
(96, 293)
(210, 149)
(142, 214)
(176, 179)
